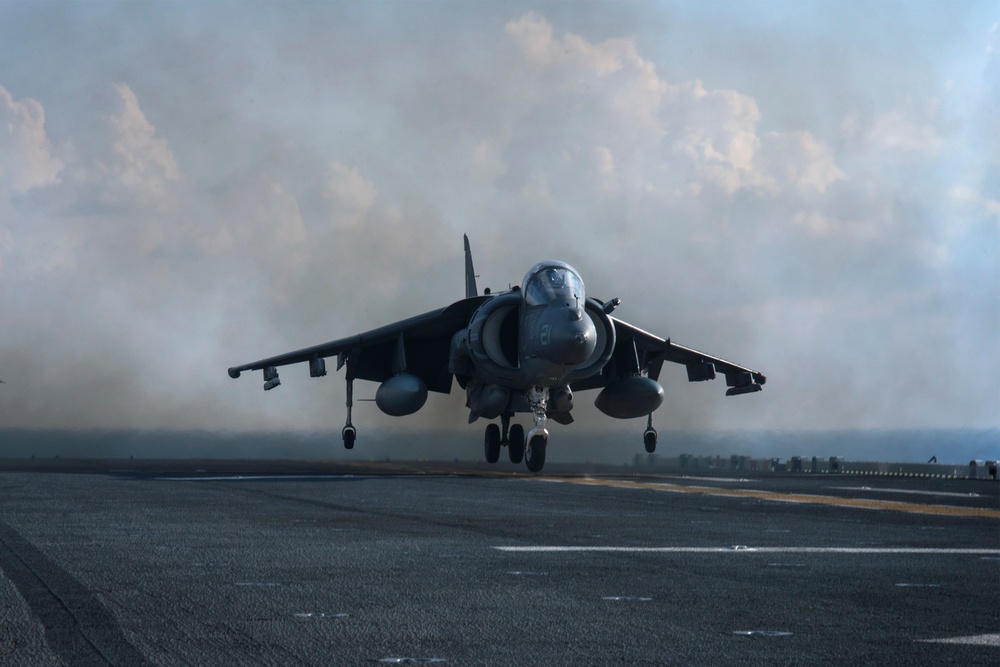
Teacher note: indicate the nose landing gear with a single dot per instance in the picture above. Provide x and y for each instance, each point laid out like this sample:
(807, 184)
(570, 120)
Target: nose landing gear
(534, 453)
(538, 437)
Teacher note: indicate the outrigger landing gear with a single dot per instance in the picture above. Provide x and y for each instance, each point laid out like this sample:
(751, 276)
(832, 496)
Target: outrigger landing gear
(350, 433)
(649, 436)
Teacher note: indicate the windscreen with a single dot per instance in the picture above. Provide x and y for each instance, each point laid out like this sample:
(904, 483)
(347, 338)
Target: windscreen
(554, 283)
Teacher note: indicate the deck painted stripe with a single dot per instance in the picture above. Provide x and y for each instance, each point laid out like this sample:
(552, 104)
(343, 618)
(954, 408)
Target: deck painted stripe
(740, 549)
(257, 478)
(973, 640)
(911, 492)
(861, 503)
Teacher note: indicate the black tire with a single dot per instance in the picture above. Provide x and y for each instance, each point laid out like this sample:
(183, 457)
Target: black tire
(515, 448)
(492, 443)
(534, 454)
(649, 439)
(349, 437)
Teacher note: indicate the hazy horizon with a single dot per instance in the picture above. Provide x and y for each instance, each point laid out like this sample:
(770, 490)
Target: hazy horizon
(617, 447)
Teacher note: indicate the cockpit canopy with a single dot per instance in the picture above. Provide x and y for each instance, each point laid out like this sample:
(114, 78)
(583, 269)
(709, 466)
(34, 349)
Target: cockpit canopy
(553, 281)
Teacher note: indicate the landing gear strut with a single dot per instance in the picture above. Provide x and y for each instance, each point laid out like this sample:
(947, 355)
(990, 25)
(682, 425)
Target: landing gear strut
(350, 433)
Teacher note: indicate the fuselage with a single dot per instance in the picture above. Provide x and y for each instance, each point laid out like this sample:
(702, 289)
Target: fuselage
(541, 336)
(556, 334)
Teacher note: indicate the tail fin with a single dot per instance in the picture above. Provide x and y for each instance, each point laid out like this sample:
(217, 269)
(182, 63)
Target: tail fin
(470, 273)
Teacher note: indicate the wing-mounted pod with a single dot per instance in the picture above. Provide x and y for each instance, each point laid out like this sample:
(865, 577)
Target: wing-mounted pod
(403, 393)
(743, 382)
(317, 366)
(700, 371)
(270, 378)
(632, 394)
(630, 397)
(598, 314)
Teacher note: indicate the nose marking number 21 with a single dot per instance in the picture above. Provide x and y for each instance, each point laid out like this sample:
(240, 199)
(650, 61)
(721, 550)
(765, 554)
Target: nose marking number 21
(544, 336)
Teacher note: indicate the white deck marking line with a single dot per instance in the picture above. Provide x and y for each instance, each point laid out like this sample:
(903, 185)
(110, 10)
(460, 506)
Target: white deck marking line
(913, 492)
(725, 480)
(740, 549)
(252, 478)
(973, 640)
(861, 503)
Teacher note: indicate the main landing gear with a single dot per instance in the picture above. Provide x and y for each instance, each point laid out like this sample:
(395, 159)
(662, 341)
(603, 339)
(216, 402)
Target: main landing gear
(531, 447)
(508, 435)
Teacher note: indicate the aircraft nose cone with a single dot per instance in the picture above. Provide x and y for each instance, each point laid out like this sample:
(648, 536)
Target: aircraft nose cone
(572, 342)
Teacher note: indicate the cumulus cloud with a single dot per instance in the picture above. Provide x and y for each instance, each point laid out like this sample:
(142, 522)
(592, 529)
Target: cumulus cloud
(341, 197)
(797, 160)
(138, 165)
(651, 137)
(909, 128)
(27, 159)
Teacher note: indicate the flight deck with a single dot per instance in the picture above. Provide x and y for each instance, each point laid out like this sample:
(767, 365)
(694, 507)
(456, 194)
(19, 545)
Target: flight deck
(291, 563)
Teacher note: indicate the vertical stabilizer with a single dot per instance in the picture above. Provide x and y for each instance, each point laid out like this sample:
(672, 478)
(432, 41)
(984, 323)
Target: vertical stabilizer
(470, 273)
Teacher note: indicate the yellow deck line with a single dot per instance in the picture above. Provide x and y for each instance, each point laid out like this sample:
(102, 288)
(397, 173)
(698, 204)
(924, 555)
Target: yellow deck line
(862, 503)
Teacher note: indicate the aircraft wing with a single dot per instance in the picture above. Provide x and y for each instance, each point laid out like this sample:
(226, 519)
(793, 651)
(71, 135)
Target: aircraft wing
(374, 355)
(640, 351)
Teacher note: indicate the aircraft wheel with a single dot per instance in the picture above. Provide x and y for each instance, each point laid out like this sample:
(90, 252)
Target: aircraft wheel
(492, 443)
(350, 434)
(515, 447)
(534, 454)
(649, 439)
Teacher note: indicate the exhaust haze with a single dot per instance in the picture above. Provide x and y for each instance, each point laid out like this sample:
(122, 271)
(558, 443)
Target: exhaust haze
(185, 186)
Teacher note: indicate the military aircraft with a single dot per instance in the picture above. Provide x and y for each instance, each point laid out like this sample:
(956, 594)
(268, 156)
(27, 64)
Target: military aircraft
(527, 349)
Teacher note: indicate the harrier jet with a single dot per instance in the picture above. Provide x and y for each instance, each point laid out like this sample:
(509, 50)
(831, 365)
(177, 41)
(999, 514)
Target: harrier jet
(528, 349)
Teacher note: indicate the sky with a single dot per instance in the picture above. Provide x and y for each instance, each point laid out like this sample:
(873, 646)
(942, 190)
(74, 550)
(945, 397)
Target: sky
(811, 189)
